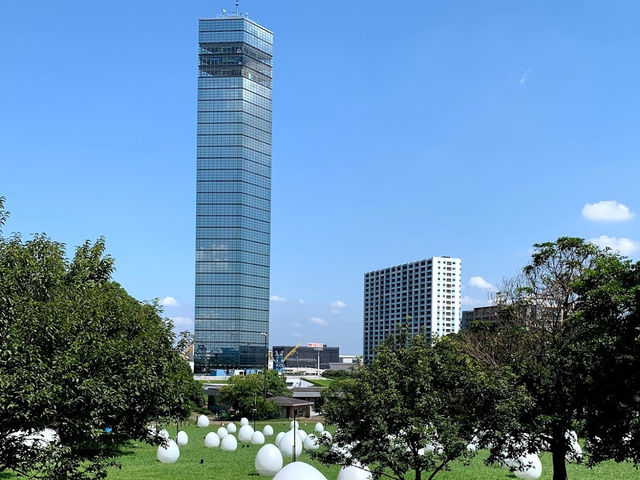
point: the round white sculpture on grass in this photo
(268, 460)
(212, 440)
(326, 434)
(222, 432)
(294, 422)
(164, 433)
(182, 439)
(319, 427)
(278, 438)
(302, 434)
(354, 472)
(311, 442)
(229, 443)
(299, 471)
(286, 444)
(203, 421)
(528, 467)
(257, 438)
(231, 427)
(245, 433)
(170, 453)
(574, 454)
(267, 430)
(244, 421)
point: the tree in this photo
(606, 355)
(80, 356)
(541, 336)
(244, 391)
(417, 407)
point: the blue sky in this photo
(463, 128)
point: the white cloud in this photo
(338, 304)
(169, 302)
(622, 245)
(301, 301)
(607, 211)
(180, 323)
(318, 321)
(525, 77)
(276, 298)
(479, 282)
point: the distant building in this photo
(349, 358)
(307, 357)
(479, 314)
(427, 291)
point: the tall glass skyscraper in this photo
(233, 211)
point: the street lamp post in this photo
(266, 364)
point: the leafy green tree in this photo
(548, 330)
(606, 355)
(244, 391)
(82, 357)
(417, 407)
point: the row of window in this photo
(242, 105)
(222, 245)
(236, 36)
(261, 142)
(234, 82)
(206, 120)
(239, 290)
(231, 176)
(235, 266)
(235, 209)
(207, 304)
(235, 151)
(258, 279)
(235, 48)
(205, 164)
(232, 170)
(234, 186)
(233, 93)
(234, 129)
(227, 24)
(238, 233)
(230, 315)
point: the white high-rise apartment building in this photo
(427, 291)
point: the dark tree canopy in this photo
(558, 340)
(417, 407)
(243, 392)
(80, 356)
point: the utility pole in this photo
(266, 364)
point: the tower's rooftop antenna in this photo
(237, 7)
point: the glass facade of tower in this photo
(233, 211)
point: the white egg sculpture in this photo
(244, 421)
(257, 438)
(203, 421)
(287, 443)
(299, 471)
(170, 453)
(212, 440)
(294, 422)
(268, 460)
(311, 442)
(354, 472)
(229, 443)
(528, 467)
(319, 427)
(326, 434)
(164, 433)
(231, 427)
(222, 432)
(278, 438)
(575, 450)
(267, 430)
(245, 433)
(182, 439)
(301, 434)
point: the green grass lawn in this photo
(139, 463)
(319, 382)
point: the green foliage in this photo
(243, 393)
(569, 330)
(339, 374)
(78, 355)
(416, 394)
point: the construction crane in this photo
(291, 352)
(279, 359)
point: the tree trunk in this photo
(418, 474)
(558, 453)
